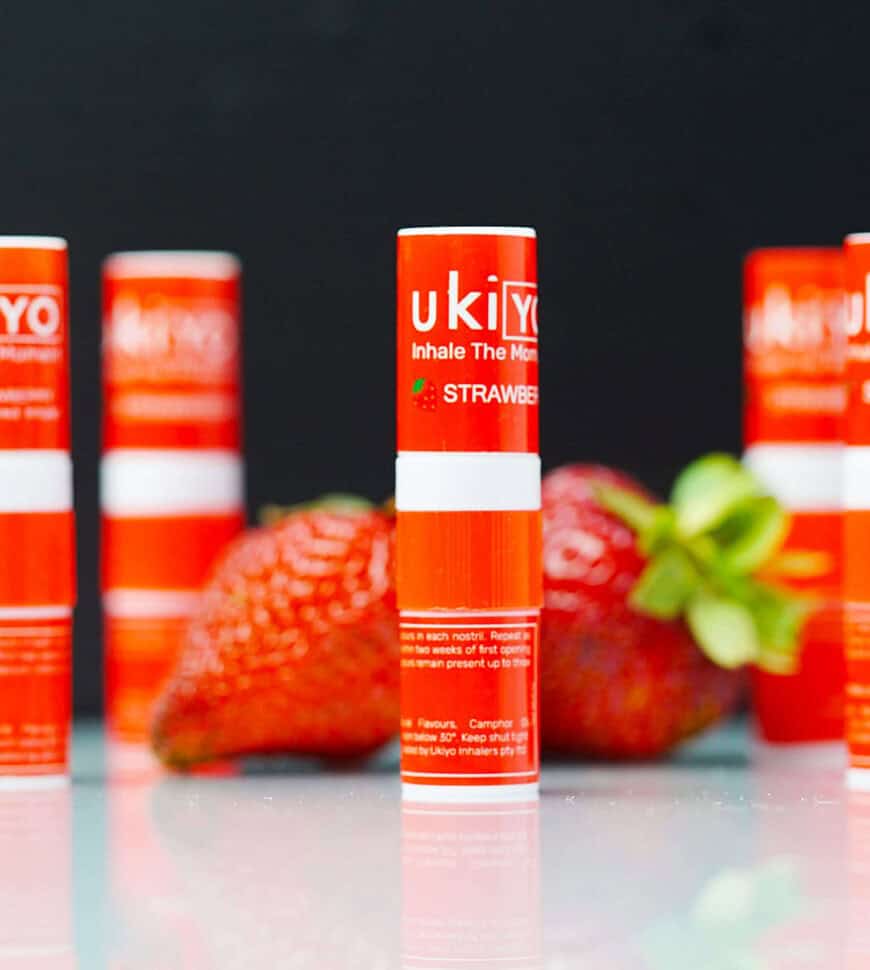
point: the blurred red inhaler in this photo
(171, 477)
(856, 583)
(795, 397)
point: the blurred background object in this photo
(171, 474)
(650, 145)
(36, 906)
(794, 318)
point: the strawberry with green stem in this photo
(650, 609)
(707, 552)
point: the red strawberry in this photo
(613, 682)
(622, 674)
(425, 394)
(295, 645)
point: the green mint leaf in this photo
(708, 490)
(751, 534)
(723, 629)
(418, 386)
(665, 585)
(637, 512)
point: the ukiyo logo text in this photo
(29, 316)
(510, 307)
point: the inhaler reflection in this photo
(858, 909)
(149, 920)
(470, 887)
(36, 928)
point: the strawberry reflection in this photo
(470, 887)
(799, 876)
(774, 901)
(36, 927)
(698, 864)
(858, 910)
(725, 924)
(296, 870)
(150, 923)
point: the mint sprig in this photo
(708, 551)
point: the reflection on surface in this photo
(777, 903)
(470, 887)
(726, 922)
(628, 852)
(36, 929)
(858, 936)
(283, 871)
(697, 864)
(799, 874)
(149, 924)
(703, 864)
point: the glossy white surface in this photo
(724, 859)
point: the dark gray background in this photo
(650, 143)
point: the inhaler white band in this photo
(158, 603)
(35, 481)
(804, 477)
(856, 477)
(435, 481)
(155, 482)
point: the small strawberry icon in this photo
(425, 394)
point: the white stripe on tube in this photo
(36, 481)
(441, 481)
(856, 466)
(804, 477)
(158, 482)
(136, 603)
